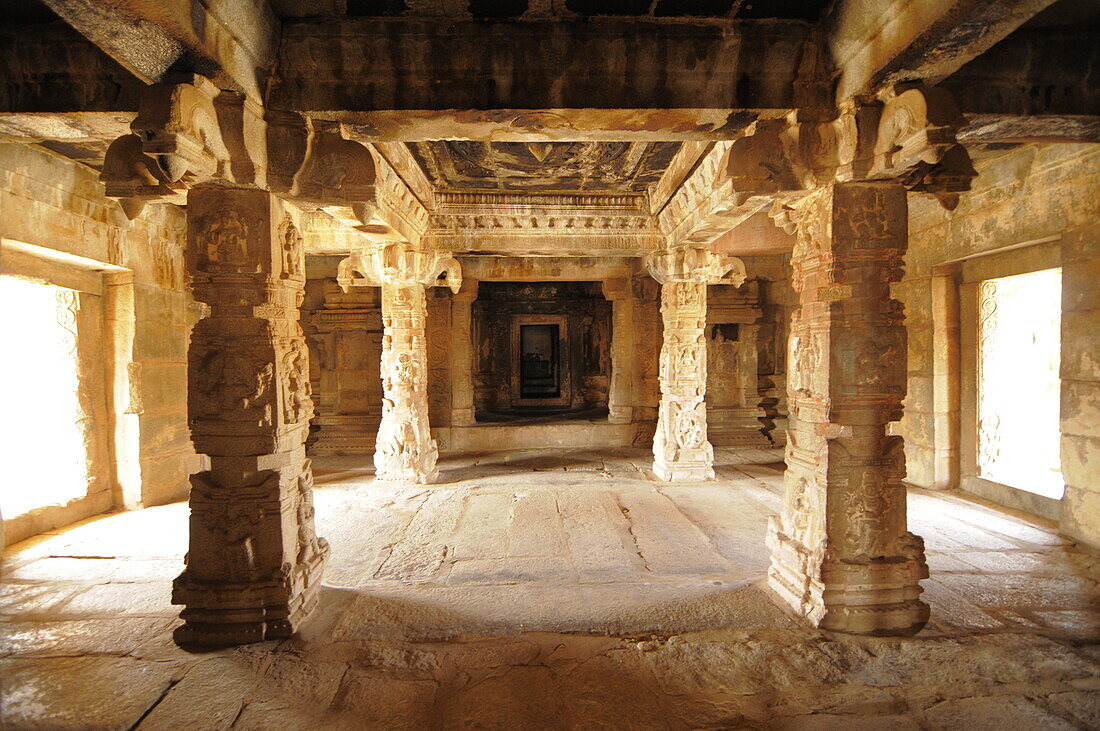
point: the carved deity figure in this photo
(225, 237)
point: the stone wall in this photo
(1045, 196)
(54, 203)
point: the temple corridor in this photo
(500, 595)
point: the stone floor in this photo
(554, 589)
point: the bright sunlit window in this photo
(41, 430)
(1018, 387)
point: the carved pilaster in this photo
(680, 447)
(462, 354)
(405, 449)
(254, 562)
(841, 554)
(620, 398)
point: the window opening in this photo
(43, 422)
(1019, 343)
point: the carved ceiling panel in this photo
(619, 167)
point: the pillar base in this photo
(405, 462)
(224, 614)
(694, 464)
(878, 598)
(463, 417)
(620, 414)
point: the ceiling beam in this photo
(550, 125)
(874, 43)
(354, 67)
(983, 129)
(233, 42)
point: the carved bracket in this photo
(187, 132)
(693, 264)
(399, 263)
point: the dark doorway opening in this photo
(540, 361)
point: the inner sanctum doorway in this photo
(539, 365)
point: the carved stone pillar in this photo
(405, 449)
(620, 399)
(462, 355)
(680, 447)
(254, 562)
(841, 554)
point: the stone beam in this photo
(50, 68)
(551, 125)
(757, 235)
(233, 42)
(983, 129)
(733, 182)
(547, 269)
(1036, 71)
(876, 43)
(350, 68)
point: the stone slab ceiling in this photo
(808, 10)
(619, 167)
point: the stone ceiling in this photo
(808, 10)
(611, 167)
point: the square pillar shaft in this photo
(841, 552)
(620, 397)
(254, 561)
(405, 449)
(680, 447)
(462, 354)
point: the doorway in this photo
(539, 361)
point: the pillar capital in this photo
(695, 264)
(399, 264)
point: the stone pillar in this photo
(620, 399)
(254, 562)
(462, 354)
(680, 447)
(841, 554)
(405, 449)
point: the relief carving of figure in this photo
(291, 242)
(233, 386)
(866, 505)
(690, 429)
(235, 525)
(874, 365)
(688, 294)
(806, 357)
(225, 239)
(296, 391)
(687, 361)
(308, 543)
